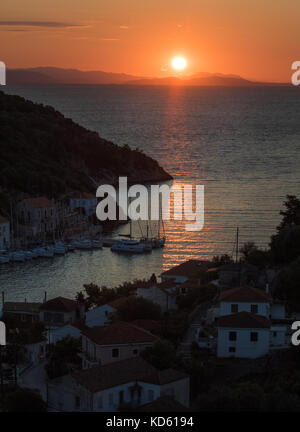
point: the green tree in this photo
(139, 308)
(161, 355)
(291, 214)
(62, 356)
(23, 400)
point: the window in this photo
(77, 402)
(150, 395)
(232, 336)
(275, 333)
(254, 336)
(100, 402)
(115, 352)
(111, 399)
(231, 349)
(254, 308)
(135, 352)
(234, 308)
(121, 396)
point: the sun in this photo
(179, 63)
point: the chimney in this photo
(267, 288)
(45, 297)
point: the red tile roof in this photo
(21, 307)
(244, 320)
(135, 369)
(188, 268)
(245, 294)
(39, 202)
(119, 333)
(60, 304)
(162, 404)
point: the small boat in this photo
(4, 257)
(28, 255)
(59, 249)
(17, 256)
(147, 243)
(70, 247)
(128, 246)
(45, 252)
(85, 244)
(97, 244)
(34, 253)
(158, 242)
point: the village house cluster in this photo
(37, 220)
(241, 320)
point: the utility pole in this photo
(237, 245)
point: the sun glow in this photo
(179, 63)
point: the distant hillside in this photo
(53, 75)
(44, 153)
(201, 79)
(47, 75)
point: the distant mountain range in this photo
(53, 75)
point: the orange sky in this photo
(258, 39)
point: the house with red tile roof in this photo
(243, 335)
(245, 298)
(60, 311)
(24, 313)
(247, 323)
(114, 342)
(37, 216)
(104, 388)
(182, 272)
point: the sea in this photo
(241, 144)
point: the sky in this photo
(256, 39)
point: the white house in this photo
(4, 233)
(164, 294)
(250, 323)
(93, 318)
(85, 201)
(114, 342)
(245, 299)
(105, 388)
(243, 335)
(99, 316)
(38, 215)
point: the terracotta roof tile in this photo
(21, 307)
(39, 202)
(119, 333)
(245, 294)
(244, 320)
(188, 268)
(163, 404)
(60, 304)
(131, 370)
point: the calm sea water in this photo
(242, 144)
